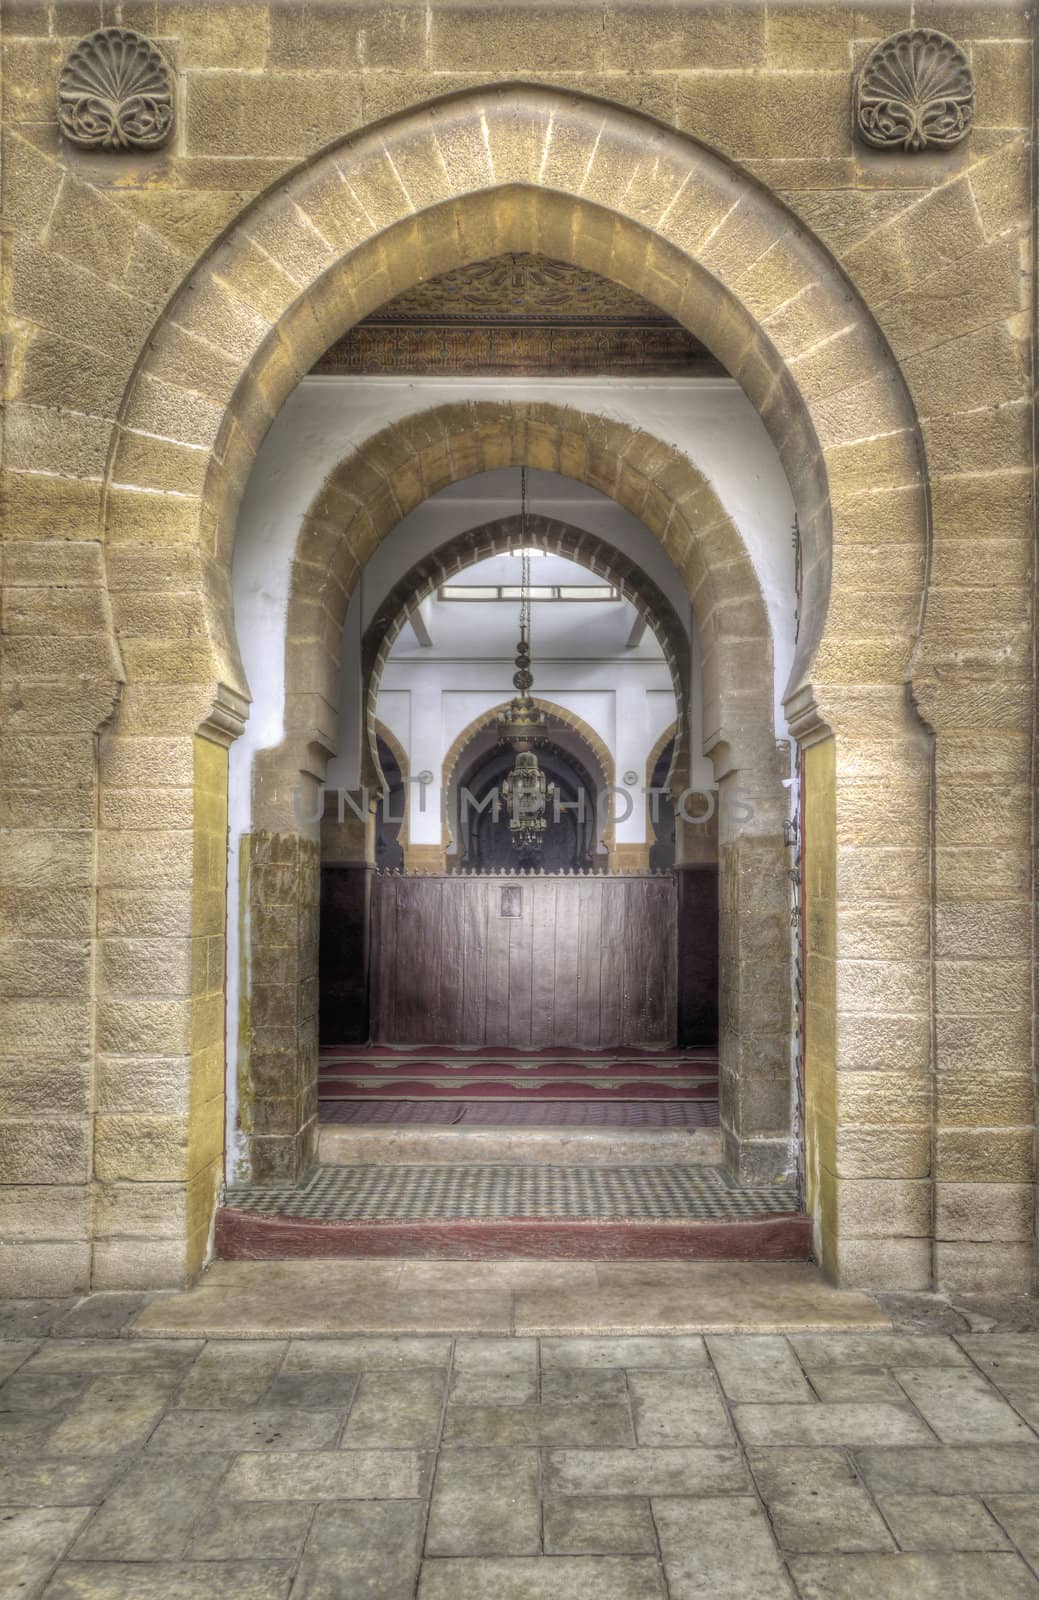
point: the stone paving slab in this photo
(817, 1502)
(544, 1578)
(32, 1540)
(493, 1467)
(196, 1580)
(679, 1408)
(151, 1515)
(914, 1577)
(936, 1522)
(361, 1548)
(719, 1550)
(485, 1502)
(587, 1526)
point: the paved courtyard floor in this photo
(867, 1464)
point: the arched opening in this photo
(732, 687)
(688, 238)
(480, 832)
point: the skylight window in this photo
(538, 591)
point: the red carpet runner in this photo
(384, 1072)
(503, 1087)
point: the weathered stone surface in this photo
(116, 1414)
(231, 1375)
(913, 1577)
(680, 1351)
(237, 1531)
(196, 1580)
(193, 1431)
(485, 1503)
(57, 1482)
(952, 1469)
(99, 1316)
(153, 1512)
(962, 1409)
(1019, 1515)
(845, 1424)
(395, 1410)
(875, 1350)
(371, 1547)
(547, 1424)
(816, 1503)
(942, 1522)
(916, 1516)
(719, 1547)
(584, 1386)
(758, 1369)
(564, 1578)
(646, 1471)
(676, 1408)
(588, 1526)
(348, 1475)
(31, 1540)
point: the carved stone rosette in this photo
(115, 92)
(915, 91)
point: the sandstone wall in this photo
(145, 354)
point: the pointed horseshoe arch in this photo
(470, 176)
(430, 450)
(458, 180)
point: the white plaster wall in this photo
(711, 420)
(581, 662)
(628, 704)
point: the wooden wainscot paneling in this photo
(527, 961)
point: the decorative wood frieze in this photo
(522, 314)
(115, 92)
(915, 92)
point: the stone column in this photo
(755, 1003)
(984, 1104)
(61, 680)
(869, 1080)
(159, 1123)
(279, 933)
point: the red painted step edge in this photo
(248, 1236)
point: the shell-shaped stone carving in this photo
(115, 92)
(915, 90)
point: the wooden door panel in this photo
(527, 962)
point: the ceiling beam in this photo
(419, 629)
(638, 629)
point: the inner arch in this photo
(543, 533)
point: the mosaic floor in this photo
(425, 1193)
(498, 1114)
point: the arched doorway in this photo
(556, 158)
(737, 695)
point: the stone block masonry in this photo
(878, 308)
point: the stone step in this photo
(430, 1146)
(254, 1236)
(493, 1211)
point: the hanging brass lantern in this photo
(521, 726)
